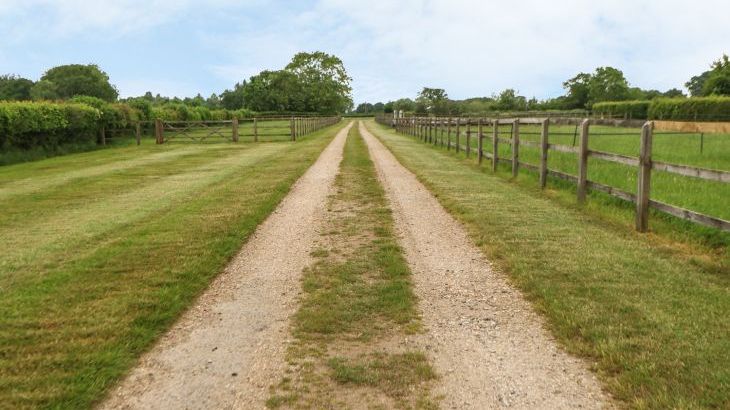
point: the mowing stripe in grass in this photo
(357, 305)
(12, 183)
(67, 338)
(63, 234)
(654, 322)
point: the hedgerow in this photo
(694, 109)
(25, 125)
(622, 109)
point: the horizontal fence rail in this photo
(233, 130)
(459, 133)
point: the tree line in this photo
(314, 82)
(582, 91)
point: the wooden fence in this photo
(457, 134)
(233, 130)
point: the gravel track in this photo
(229, 347)
(483, 337)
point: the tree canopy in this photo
(13, 87)
(67, 81)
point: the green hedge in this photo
(622, 109)
(691, 109)
(25, 125)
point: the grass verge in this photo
(357, 307)
(110, 247)
(642, 308)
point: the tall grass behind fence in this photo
(573, 146)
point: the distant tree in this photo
(674, 93)
(233, 99)
(77, 79)
(45, 90)
(718, 82)
(197, 101)
(364, 108)
(13, 87)
(607, 84)
(148, 96)
(509, 100)
(324, 82)
(273, 91)
(696, 84)
(433, 101)
(213, 102)
(378, 107)
(404, 104)
(577, 89)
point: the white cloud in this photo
(393, 48)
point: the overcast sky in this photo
(391, 48)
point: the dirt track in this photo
(484, 339)
(229, 347)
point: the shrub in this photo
(622, 109)
(693, 109)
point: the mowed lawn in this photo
(101, 251)
(650, 313)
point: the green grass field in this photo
(103, 250)
(708, 197)
(651, 312)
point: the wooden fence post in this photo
(292, 130)
(138, 133)
(159, 137)
(255, 130)
(583, 161)
(644, 178)
(448, 135)
(234, 126)
(495, 144)
(468, 137)
(515, 148)
(429, 130)
(443, 130)
(458, 121)
(544, 152)
(102, 135)
(480, 136)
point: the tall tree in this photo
(433, 101)
(577, 89)
(13, 87)
(324, 81)
(718, 82)
(607, 84)
(77, 79)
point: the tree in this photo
(44, 90)
(13, 87)
(77, 79)
(325, 85)
(233, 99)
(274, 91)
(578, 89)
(697, 83)
(433, 101)
(364, 108)
(213, 102)
(607, 84)
(509, 100)
(674, 93)
(718, 82)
